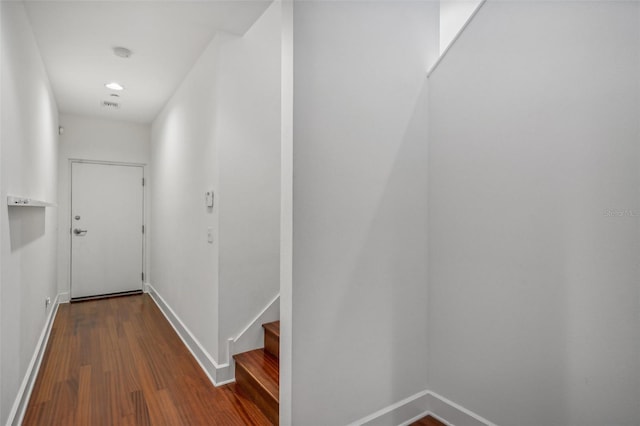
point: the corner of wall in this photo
(422, 404)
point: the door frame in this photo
(143, 166)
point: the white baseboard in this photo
(63, 297)
(24, 392)
(454, 414)
(420, 416)
(248, 339)
(217, 373)
(422, 404)
(401, 413)
(413, 407)
(252, 335)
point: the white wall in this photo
(248, 135)
(359, 203)
(184, 266)
(453, 15)
(220, 131)
(534, 298)
(28, 134)
(96, 139)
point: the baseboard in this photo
(401, 413)
(217, 373)
(420, 416)
(422, 404)
(64, 297)
(24, 392)
(252, 336)
(454, 414)
(413, 407)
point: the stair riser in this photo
(272, 344)
(260, 397)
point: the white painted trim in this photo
(257, 318)
(213, 370)
(16, 415)
(453, 413)
(264, 316)
(391, 409)
(423, 415)
(424, 403)
(440, 419)
(286, 211)
(453, 41)
(63, 297)
(107, 163)
(416, 418)
(225, 374)
(246, 340)
(219, 373)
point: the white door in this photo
(106, 229)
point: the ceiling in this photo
(76, 39)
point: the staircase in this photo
(257, 372)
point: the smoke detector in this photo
(121, 52)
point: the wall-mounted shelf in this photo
(14, 201)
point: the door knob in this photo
(79, 231)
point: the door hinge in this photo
(142, 181)
(143, 229)
(143, 276)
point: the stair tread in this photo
(264, 368)
(273, 327)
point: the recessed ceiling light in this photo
(114, 86)
(122, 52)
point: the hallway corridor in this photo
(118, 361)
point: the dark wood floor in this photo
(428, 421)
(118, 362)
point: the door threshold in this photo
(105, 296)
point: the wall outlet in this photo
(210, 235)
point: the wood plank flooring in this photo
(272, 338)
(428, 421)
(257, 373)
(119, 362)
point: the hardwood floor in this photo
(428, 421)
(272, 338)
(257, 374)
(119, 362)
